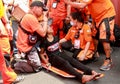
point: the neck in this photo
(50, 37)
(80, 25)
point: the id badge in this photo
(54, 5)
(77, 44)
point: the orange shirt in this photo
(85, 36)
(4, 39)
(60, 12)
(31, 24)
(101, 9)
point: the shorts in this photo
(105, 29)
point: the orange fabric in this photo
(8, 75)
(89, 54)
(86, 10)
(4, 39)
(31, 24)
(103, 34)
(101, 9)
(3, 31)
(85, 36)
(57, 26)
(57, 13)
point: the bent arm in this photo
(62, 40)
(44, 56)
(68, 9)
(82, 4)
(86, 48)
(42, 30)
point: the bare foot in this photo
(87, 78)
(94, 73)
(97, 75)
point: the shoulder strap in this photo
(23, 29)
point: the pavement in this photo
(111, 77)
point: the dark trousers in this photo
(15, 28)
(67, 64)
(69, 47)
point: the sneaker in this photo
(106, 66)
(18, 79)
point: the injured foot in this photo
(87, 78)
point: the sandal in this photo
(18, 79)
(98, 76)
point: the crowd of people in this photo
(47, 29)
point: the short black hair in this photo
(77, 16)
(38, 4)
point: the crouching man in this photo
(28, 27)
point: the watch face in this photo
(54, 5)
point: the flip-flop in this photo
(98, 76)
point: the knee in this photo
(66, 63)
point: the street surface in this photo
(111, 77)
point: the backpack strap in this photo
(23, 29)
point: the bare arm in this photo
(43, 56)
(43, 29)
(82, 57)
(68, 9)
(62, 40)
(86, 48)
(7, 25)
(78, 5)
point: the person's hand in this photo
(48, 65)
(67, 20)
(45, 16)
(112, 38)
(9, 30)
(82, 57)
